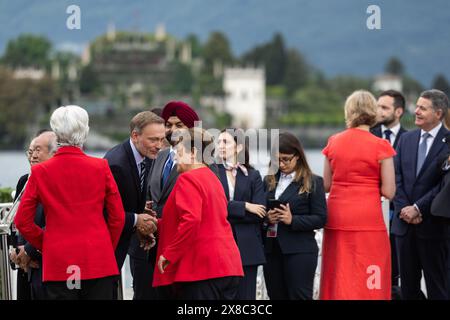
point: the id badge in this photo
(272, 230)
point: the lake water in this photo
(13, 164)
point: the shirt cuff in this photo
(417, 208)
(135, 220)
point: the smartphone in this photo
(274, 204)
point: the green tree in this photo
(411, 86)
(345, 85)
(196, 46)
(89, 82)
(297, 71)
(27, 50)
(272, 56)
(276, 61)
(22, 103)
(441, 83)
(217, 49)
(394, 66)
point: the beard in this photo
(387, 121)
(169, 138)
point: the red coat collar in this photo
(68, 149)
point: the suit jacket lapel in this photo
(377, 131)
(224, 180)
(241, 185)
(156, 175)
(437, 145)
(290, 191)
(287, 193)
(172, 176)
(397, 138)
(132, 163)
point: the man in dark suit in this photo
(420, 237)
(177, 115)
(391, 106)
(130, 163)
(42, 148)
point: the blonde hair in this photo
(360, 109)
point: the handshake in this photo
(146, 226)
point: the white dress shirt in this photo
(395, 129)
(283, 183)
(230, 188)
(138, 158)
(433, 132)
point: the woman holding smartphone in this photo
(289, 239)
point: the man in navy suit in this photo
(420, 237)
(130, 164)
(391, 107)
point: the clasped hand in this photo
(411, 215)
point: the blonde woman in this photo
(358, 170)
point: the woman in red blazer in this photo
(197, 254)
(78, 242)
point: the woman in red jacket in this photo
(78, 242)
(197, 254)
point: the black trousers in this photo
(247, 285)
(225, 288)
(38, 289)
(290, 276)
(417, 254)
(142, 272)
(23, 286)
(93, 289)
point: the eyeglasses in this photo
(286, 160)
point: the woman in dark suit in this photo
(291, 248)
(246, 199)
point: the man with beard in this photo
(177, 115)
(391, 106)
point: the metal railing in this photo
(6, 273)
(6, 289)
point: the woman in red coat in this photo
(78, 242)
(197, 254)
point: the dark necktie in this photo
(387, 135)
(143, 173)
(422, 151)
(167, 169)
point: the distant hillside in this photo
(332, 34)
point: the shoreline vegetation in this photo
(128, 72)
